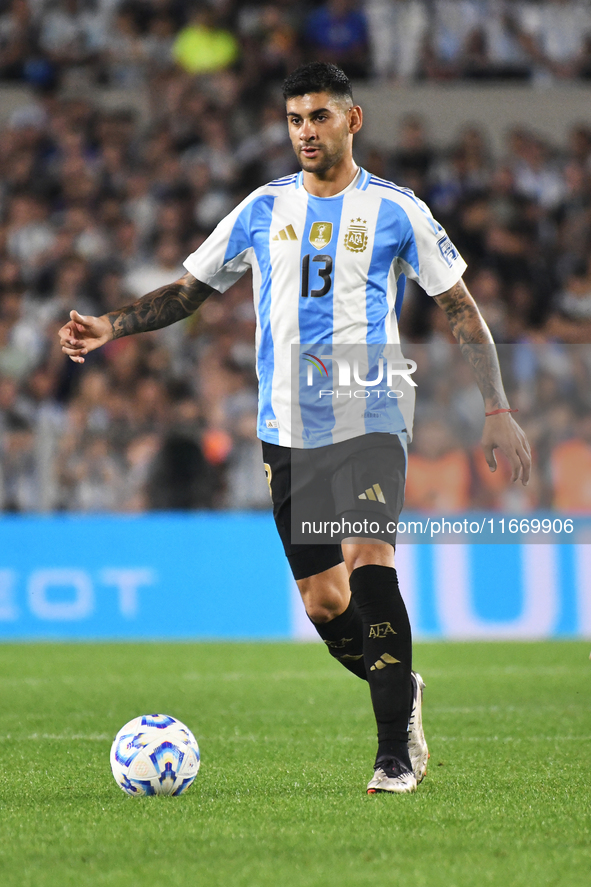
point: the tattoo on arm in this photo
(162, 307)
(476, 343)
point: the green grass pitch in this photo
(287, 745)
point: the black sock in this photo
(343, 636)
(387, 650)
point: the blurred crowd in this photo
(549, 384)
(119, 42)
(99, 206)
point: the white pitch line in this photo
(534, 671)
(433, 738)
(72, 737)
(493, 670)
(528, 739)
(273, 676)
(495, 709)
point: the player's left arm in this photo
(478, 347)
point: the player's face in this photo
(321, 129)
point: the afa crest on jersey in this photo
(321, 234)
(356, 236)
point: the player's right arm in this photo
(157, 309)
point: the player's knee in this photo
(362, 554)
(324, 604)
(326, 595)
(322, 612)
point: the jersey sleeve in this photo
(226, 254)
(427, 255)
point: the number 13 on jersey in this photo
(323, 265)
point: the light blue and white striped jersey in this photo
(327, 271)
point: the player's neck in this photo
(333, 181)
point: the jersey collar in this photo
(358, 182)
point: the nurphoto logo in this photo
(395, 368)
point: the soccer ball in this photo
(154, 755)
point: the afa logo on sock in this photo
(380, 630)
(338, 645)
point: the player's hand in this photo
(503, 432)
(83, 334)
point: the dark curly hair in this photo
(317, 77)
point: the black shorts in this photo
(323, 495)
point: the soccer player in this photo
(329, 249)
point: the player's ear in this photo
(355, 119)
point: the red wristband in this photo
(496, 412)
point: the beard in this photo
(324, 161)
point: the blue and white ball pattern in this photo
(154, 755)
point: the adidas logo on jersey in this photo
(286, 234)
(374, 493)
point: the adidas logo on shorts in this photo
(374, 493)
